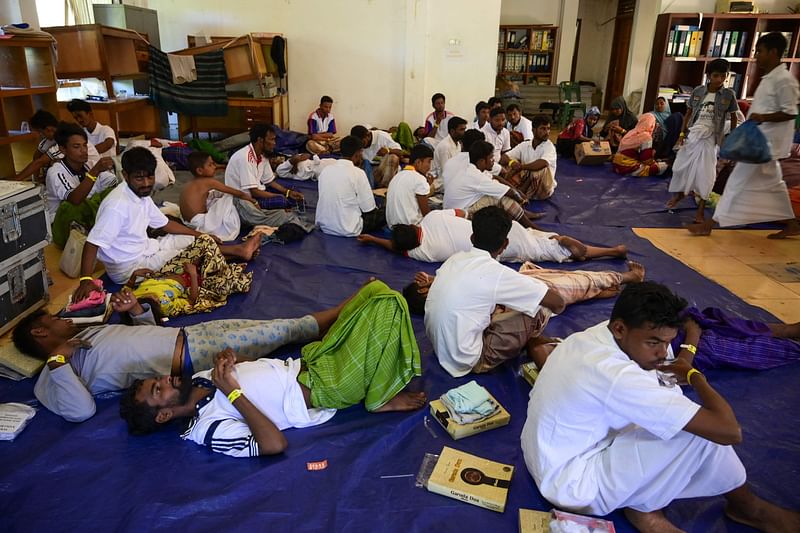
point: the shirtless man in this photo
(207, 211)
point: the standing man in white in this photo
(603, 433)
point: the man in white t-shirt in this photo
(449, 146)
(469, 286)
(73, 189)
(532, 164)
(436, 122)
(407, 196)
(101, 136)
(119, 237)
(606, 431)
(379, 144)
(482, 110)
(445, 232)
(496, 133)
(474, 188)
(520, 127)
(346, 205)
(249, 171)
(241, 409)
(757, 192)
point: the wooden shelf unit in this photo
(27, 84)
(527, 53)
(670, 70)
(108, 54)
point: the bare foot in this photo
(765, 516)
(701, 229)
(675, 200)
(635, 273)
(784, 233)
(576, 248)
(404, 401)
(652, 522)
(620, 251)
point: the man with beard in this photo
(532, 164)
(110, 357)
(119, 237)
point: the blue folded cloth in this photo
(469, 403)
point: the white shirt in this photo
(467, 288)
(271, 385)
(61, 181)
(501, 141)
(442, 233)
(100, 133)
(524, 126)
(380, 139)
(588, 391)
(401, 197)
(120, 228)
(525, 153)
(476, 125)
(777, 91)
(469, 186)
(446, 149)
(344, 194)
(247, 170)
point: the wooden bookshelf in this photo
(27, 83)
(527, 54)
(669, 68)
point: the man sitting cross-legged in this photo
(446, 232)
(408, 192)
(532, 164)
(82, 363)
(207, 203)
(474, 188)
(501, 340)
(369, 354)
(603, 433)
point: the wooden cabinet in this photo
(108, 54)
(730, 36)
(527, 54)
(27, 83)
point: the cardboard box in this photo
(590, 153)
(531, 521)
(459, 431)
(529, 372)
(471, 479)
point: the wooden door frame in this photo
(620, 46)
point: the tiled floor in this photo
(727, 258)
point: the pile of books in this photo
(539, 63)
(684, 41)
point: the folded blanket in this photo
(469, 403)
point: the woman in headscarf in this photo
(620, 121)
(668, 128)
(636, 156)
(578, 131)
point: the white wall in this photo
(379, 60)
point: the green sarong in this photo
(83, 213)
(404, 136)
(370, 353)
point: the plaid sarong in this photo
(370, 353)
(203, 97)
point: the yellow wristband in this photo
(691, 348)
(86, 278)
(57, 358)
(287, 192)
(93, 178)
(234, 395)
(512, 161)
(690, 373)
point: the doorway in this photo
(620, 46)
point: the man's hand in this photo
(365, 238)
(84, 290)
(296, 195)
(103, 164)
(222, 374)
(124, 301)
(756, 117)
(423, 279)
(678, 367)
(382, 152)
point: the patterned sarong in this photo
(369, 354)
